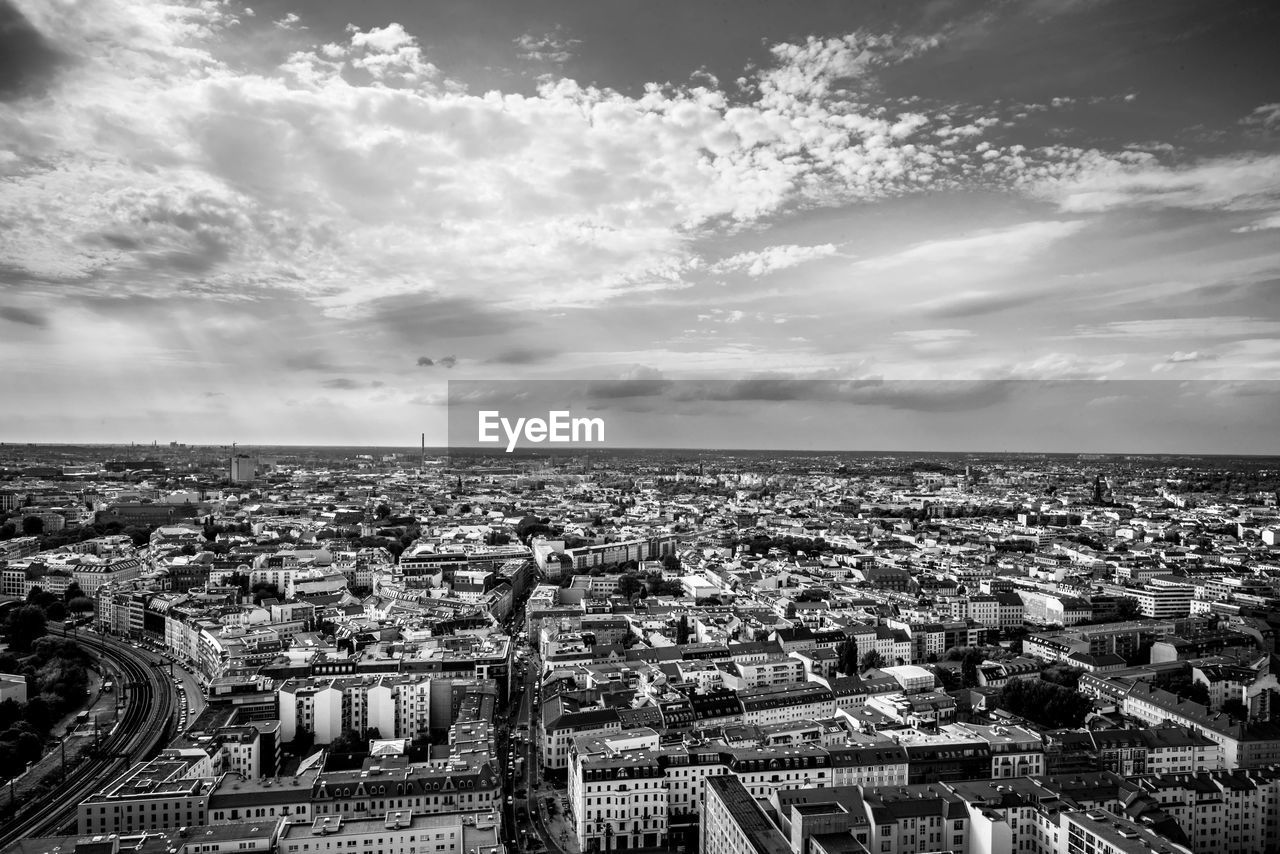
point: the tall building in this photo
(243, 468)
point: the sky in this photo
(297, 222)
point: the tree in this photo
(628, 586)
(1062, 674)
(304, 741)
(1044, 703)
(263, 590)
(382, 511)
(73, 590)
(139, 534)
(1127, 609)
(32, 526)
(848, 662)
(872, 660)
(80, 605)
(969, 663)
(1236, 708)
(26, 624)
(682, 630)
(8, 531)
(349, 742)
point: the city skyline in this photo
(295, 223)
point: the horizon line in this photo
(524, 451)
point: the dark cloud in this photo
(522, 356)
(214, 394)
(313, 360)
(120, 241)
(341, 383)
(624, 389)
(24, 316)
(676, 395)
(440, 362)
(412, 318)
(971, 305)
(28, 62)
(919, 396)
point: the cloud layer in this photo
(339, 217)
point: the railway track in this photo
(144, 727)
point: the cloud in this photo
(1090, 182)
(921, 396)
(993, 246)
(341, 383)
(551, 47)
(1265, 224)
(1184, 328)
(1193, 356)
(1178, 357)
(973, 303)
(410, 317)
(313, 360)
(390, 56)
(1266, 116)
(773, 259)
(1065, 366)
(437, 362)
(23, 316)
(28, 62)
(522, 356)
(936, 341)
(164, 156)
(214, 394)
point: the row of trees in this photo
(850, 664)
(57, 677)
(632, 584)
(762, 544)
(33, 526)
(1045, 703)
(30, 622)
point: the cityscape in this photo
(385, 649)
(645, 426)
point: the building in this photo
(157, 795)
(786, 703)
(734, 823)
(397, 705)
(620, 801)
(396, 831)
(1099, 831)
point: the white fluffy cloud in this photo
(359, 170)
(1093, 181)
(773, 258)
(553, 47)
